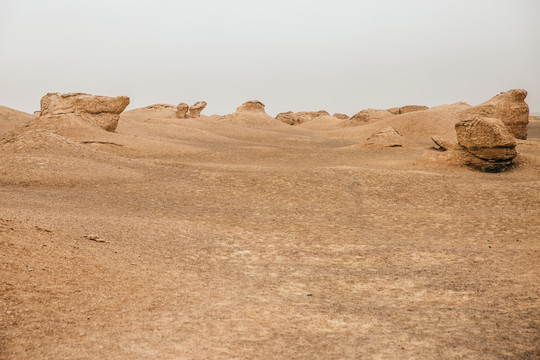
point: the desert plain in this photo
(247, 237)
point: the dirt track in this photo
(264, 243)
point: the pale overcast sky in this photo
(340, 55)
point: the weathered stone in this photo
(297, 118)
(388, 137)
(195, 109)
(489, 142)
(406, 109)
(251, 106)
(181, 110)
(370, 115)
(102, 111)
(341, 116)
(510, 107)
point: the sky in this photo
(340, 56)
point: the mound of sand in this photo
(11, 119)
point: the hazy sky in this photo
(340, 55)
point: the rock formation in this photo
(181, 110)
(340, 116)
(195, 109)
(297, 118)
(406, 109)
(487, 143)
(251, 106)
(388, 137)
(102, 111)
(510, 107)
(370, 115)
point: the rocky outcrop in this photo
(407, 109)
(296, 118)
(341, 116)
(370, 115)
(487, 144)
(102, 111)
(195, 109)
(251, 106)
(388, 137)
(510, 107)
(181, 110)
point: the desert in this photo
(164, 232)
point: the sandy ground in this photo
(251, 239)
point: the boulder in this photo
(341, 116)
(296, 118)
(510, 107)
(102, 111)
(251, 106)
(181, 110)
(488, 143)
(370, 115)
(388, 137)
(195, 109)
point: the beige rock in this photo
(181, 110)
(195, 109)
(296, 118)
(388, 137)
(251, 106)
(370, 115)
(442, 144)
(102, 111)
(341, 116)
(489, 143)
(406, 109)
(510, 107)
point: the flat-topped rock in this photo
(182, 110)
(195, 109)
(102, 111)
(296, 118)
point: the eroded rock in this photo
(251, 106)
(341, 116)
(296, 118)
(510, 107)
(181, 110)
(388, 137)
(488, 142)
(195, 109)
(102, 111)
(370, 115)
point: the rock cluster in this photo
(184, 111)
(509, 107)
(296, 118)
(487, 143)
(102, 111)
